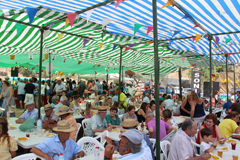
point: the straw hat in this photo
(63, 110)
(102, 109)
(48, 106)
(63, 126)
(128, 124)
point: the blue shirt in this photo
(115, 98)
(225, 105)
(32, 114)
(36, 85)
(0, 86)
(95, 122)
(53, 145)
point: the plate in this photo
(12, 127)
(232, 141)
(214, 157)
(46, 131)
(114, 129)
(50, 135)
(22, 139)
(142, 130)
(184, 117)
(223, 149)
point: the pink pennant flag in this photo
(196, 26)
(50, 25)
(118, 2)
(71, 18)
(126, 49)
(194, 38)
(183, 58)
(150, 28)
(230, 53)
(193, 64)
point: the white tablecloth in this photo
(179, 119)
(32, 142)
(101, 157)
(113, 135)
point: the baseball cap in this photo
(134, 136)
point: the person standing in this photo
(131, 89)
(21, 92)
(59, 87)
(238, 97)
(35, 93)
(69, 85)
(197, 111)
(1, 91)
(81, 87)
(94, 87)
(7, 93)
(99, 86)
(29, 89)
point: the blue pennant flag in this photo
(31, 14)
(185, 17)
(175, 33)
(114, 46)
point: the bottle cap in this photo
(61, 154)
(97, 147)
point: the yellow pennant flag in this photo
(66, 23)
(102, 73)
(59, 37)
(152, 56)
(167, 59)
(218, 66)
(109, 69)
(169, 3)
(101, 44)
(215, 49)
(189, 66)
(198, 36)
(149, 43)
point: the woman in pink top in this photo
(88, 112)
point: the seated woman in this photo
(186, 107)
(130, 114)
(88, 111)
(141, 113)
(161, 107)
(211, 123)
(152, 107)
(132, 101)
(75, 104)
(112, 119)
(8, 145)
(167, 117)
(228, 126)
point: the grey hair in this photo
(135, 148)
(188, 123)
(54, 99)
(149, 114)
(63, 98)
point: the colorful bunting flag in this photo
(150, 28)
(149, 43)
(194, 38)
(45, 34)
(89, 13)
(189, 66)
(175, 33)
(126, 49)
(102, 72)
(167, 59)
(131, 45)
(198, 36)
(228, 40)
(101, 44)
(71, 18)
(50, 25)
(60, 35)
(221, 37)
(118, 2)
(114, 46)
(193, 64)
(196, 26)
(169, 3)
(230, 53)
(185, 17)
(217, 40)
(79, 62)
(218, 66)
(137, 27)
(19, 28)
(98, 65)
(106, 21)
(85, 42)
(66, 22)
(31, 13)
(109, 69)
(183, 59)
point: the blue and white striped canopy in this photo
(215, 16)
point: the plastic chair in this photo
(88, 144)
(28, 156)
(153, 141)
(79, 127)
(164, 147)
(170, 136)
(194, 144)
(102, 137)
(120, 117)
(84, 125)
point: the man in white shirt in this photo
(21, 92)
(59, 87)
(181, 147)
(63, 101)
(168, 103)
(146, 98)
(99, 86)
(131, 89)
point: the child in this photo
(167, 117)
(88, 112)
(206, 145)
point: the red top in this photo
(165, 120)
(198, 136)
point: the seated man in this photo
(165, 128)
(181, 147)
(98, 123)
(31, 112)
(168, 103)
(63, 101)
(146, 98)
(61, 143)
(55, 101)
(131, 146)
(50, 118)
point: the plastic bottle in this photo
(39, 127)
(97, 153)
(61, 157)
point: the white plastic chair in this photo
(88, 144)
(102, 137)
(153, 141)
(28, 156)
(170, 135)
(194, 145)
(120, 117)
(164, 147)
(84, 125)
(79, 127)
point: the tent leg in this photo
(120, 70)
(210, 63)
(180, 81)
(107, 77)
(40, 73)
(234, 91)
(122, 74)
(156, 70)
(227, 78)
(50, 73)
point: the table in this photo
(32, 142)
(101, 157)
(180, 119)
(227, 155)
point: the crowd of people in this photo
(121, 106)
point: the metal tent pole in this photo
(180, 81)
(40, 73)
(234, 82)
(120, 70)
(50, 73)
(227, 79)
(156, 70)
(210, 63)
(122, 74)
(107, 77)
